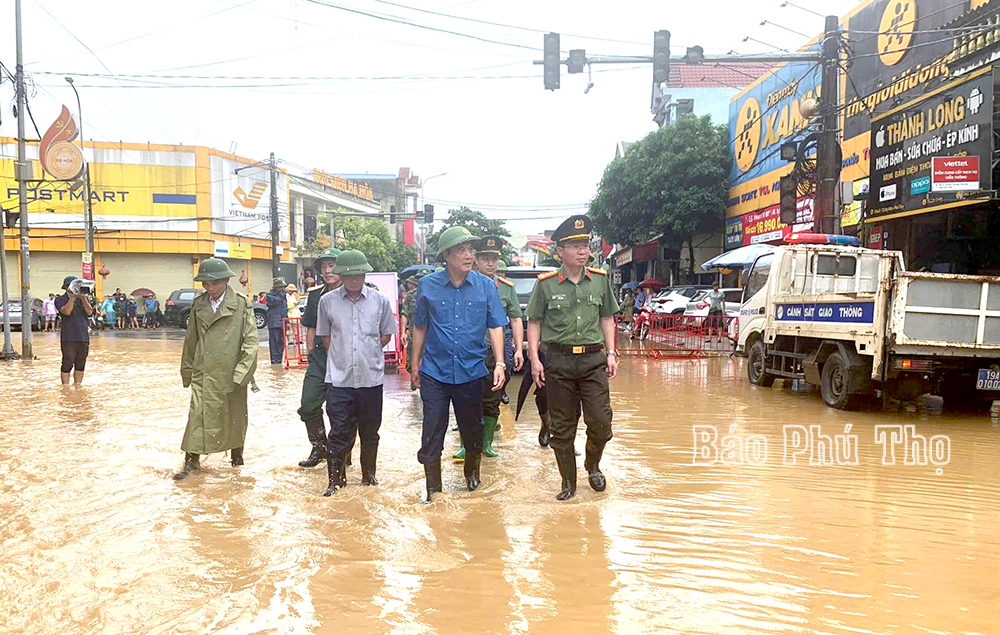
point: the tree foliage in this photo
(673, 182)
(371, 237)
(475, 222)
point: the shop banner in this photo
(951, 129)
(765, 226)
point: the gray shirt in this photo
(354, 358)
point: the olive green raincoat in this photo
(219, 360)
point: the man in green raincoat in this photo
(218, 362)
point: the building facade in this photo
(913, 105)
(158, 211)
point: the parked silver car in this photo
(14, 311)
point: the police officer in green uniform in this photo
(487, 261)
(314, 383)
(571, 313)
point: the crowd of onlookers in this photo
(116, 311)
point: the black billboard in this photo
(953, 122)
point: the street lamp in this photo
(88, 211)
(423, 228)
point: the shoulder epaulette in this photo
(505, 281)
(316, 288)
(596, 270)
(547, 274)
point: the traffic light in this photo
(661, 57)
(428, 213)
(789, 199)
(392, 214)
(11, 218)
(552, 60)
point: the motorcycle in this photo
(640, 323)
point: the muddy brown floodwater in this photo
(96, 538)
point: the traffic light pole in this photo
(21, 168)
(828, 155)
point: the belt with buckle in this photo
(576, 350)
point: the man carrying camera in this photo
(73, 337)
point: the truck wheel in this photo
(835, 384)
(756, 363)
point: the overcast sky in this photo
(509, 147)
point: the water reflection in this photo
(96, 538)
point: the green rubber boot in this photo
(460, 455)
(488, 432)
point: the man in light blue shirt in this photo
(355, 322)
(455, 309)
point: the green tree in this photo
(475, 222)
(371, 237)
(403, 256)
(673, 182)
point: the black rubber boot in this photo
(335, 471)
(472, 460)
(236, 456)
(369, 456)
(592, 463)
(566, 460)
(504, 399)
(543, 434)
(192, 462)
(316, 456)
(432, 474)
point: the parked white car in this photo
(673, 301)
(698, 306)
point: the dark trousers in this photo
(491, 398)
(572, 381)
(436, 397)
(353, 412)
(74, 356)
(313, 396)
(276, 343)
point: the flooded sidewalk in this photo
(96, 538)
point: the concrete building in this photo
(158, 210)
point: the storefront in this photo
(158, 211)
(887, 81)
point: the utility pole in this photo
(8, 349)
(23, 172)
(828, 155)
(275, 242)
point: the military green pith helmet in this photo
(352, 263)
(213, 269)
(501, 266)
(278, 283)
(452, 237)
(330, 253)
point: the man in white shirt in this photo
(355, 322)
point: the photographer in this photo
(73, 337)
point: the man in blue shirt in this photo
(455, 309)
(74, 339)
(277, 311)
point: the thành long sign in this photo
(926, 153)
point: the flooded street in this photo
(96, 538)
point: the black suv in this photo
(178, 306)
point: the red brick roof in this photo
(712, 75)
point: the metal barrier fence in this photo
(295, 343)
(663, 336)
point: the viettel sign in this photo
(57, 154)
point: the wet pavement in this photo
(96, 538)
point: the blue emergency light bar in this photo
(822, 239)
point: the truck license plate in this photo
(988, 379)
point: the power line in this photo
(419, 26)
(73, 35)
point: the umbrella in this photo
(142, 291)
(415, 269)
(526, 383)
(737, 258)
(629, 285)
(652, 283)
